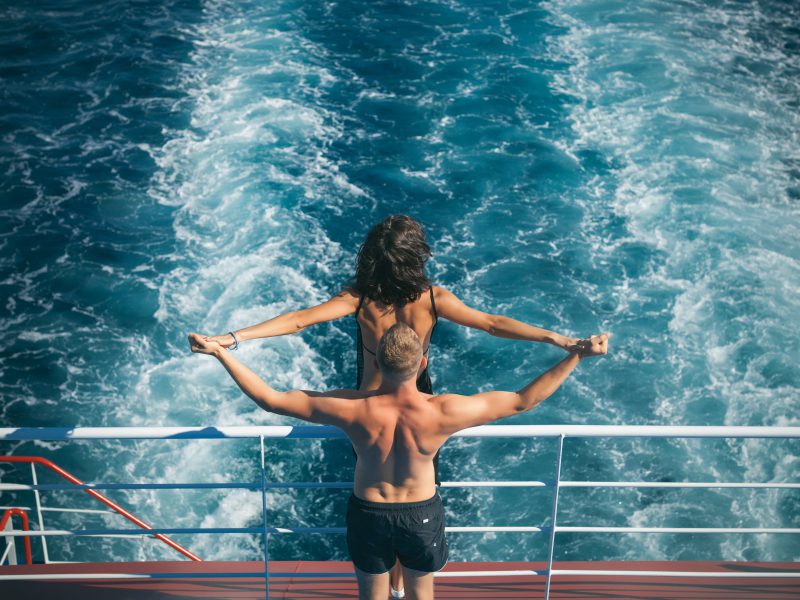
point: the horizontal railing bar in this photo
(678, 484)
(145, 533)
(458, 484)
(348, 485)
(19, 487)
(500, 529)
(94, 511)
(563, 529)
(304, 485)
(455, 529)
(169, 530)
(75, 510)
(254, 574)
(329, 432)
(243, 530)
(440, 574)
(123, 536)
(612, 573)
(79, 576)
(509, 573)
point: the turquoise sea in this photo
(583, 165)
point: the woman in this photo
(390, 285)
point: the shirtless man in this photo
(394, 511)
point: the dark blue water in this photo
(581, 165)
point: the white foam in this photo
(730, 283)
(38, 336)
(242, 257)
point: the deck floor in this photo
(301, 581)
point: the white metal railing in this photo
(561, 432)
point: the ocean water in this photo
(583, 165)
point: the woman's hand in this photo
(204, 345)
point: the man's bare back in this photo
(395, 437)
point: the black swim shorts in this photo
(378, 533)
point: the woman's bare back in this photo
(375, 319)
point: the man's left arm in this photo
(331, 408)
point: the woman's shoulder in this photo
(440, 293)
(349, 295)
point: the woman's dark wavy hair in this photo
(391, 262)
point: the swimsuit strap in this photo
(433, 306)
(359, 347)
(360, 304)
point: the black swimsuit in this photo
(424, 379)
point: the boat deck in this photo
(322, 580)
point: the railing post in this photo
(264, 516)
(552, 542)
(39, 513)
(11, 545)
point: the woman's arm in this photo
(340, 305)
(453, 309)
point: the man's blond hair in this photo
(399, 352)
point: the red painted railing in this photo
(110, 503)
(25, 527)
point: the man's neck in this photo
(392, 387)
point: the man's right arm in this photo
(326, 408)
(460, 412)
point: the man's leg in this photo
(372, 587)
(396, 578)
(418, 584)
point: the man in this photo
(394, 512)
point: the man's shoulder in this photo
(444, 395)
(445, 399)
(344, 394)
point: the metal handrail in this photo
(317, 432)
(439, 574)
(450, 529)
(518, 431)
(98, 496)
(23, 516)
(347, 485)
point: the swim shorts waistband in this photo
(394, 506)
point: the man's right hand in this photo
(596, 345)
